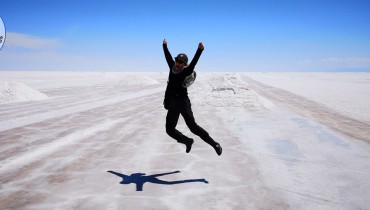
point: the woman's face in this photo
(179, 65)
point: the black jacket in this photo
(174, 85)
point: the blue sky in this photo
(254, 35)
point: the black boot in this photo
(188, 143)
(218, 148)
(213, 143)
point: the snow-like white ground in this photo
(291, 141)
(345, 92)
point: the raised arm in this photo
(196, 56)
(168, 55)
(118, 174)
(156, 175)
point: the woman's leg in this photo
(187, 113)
(171, 122)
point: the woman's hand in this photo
(200, 46)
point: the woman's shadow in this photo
(140, 179)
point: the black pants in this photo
(182, 105)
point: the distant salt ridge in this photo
(227, 90)
(11, 91)
(137, 79)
